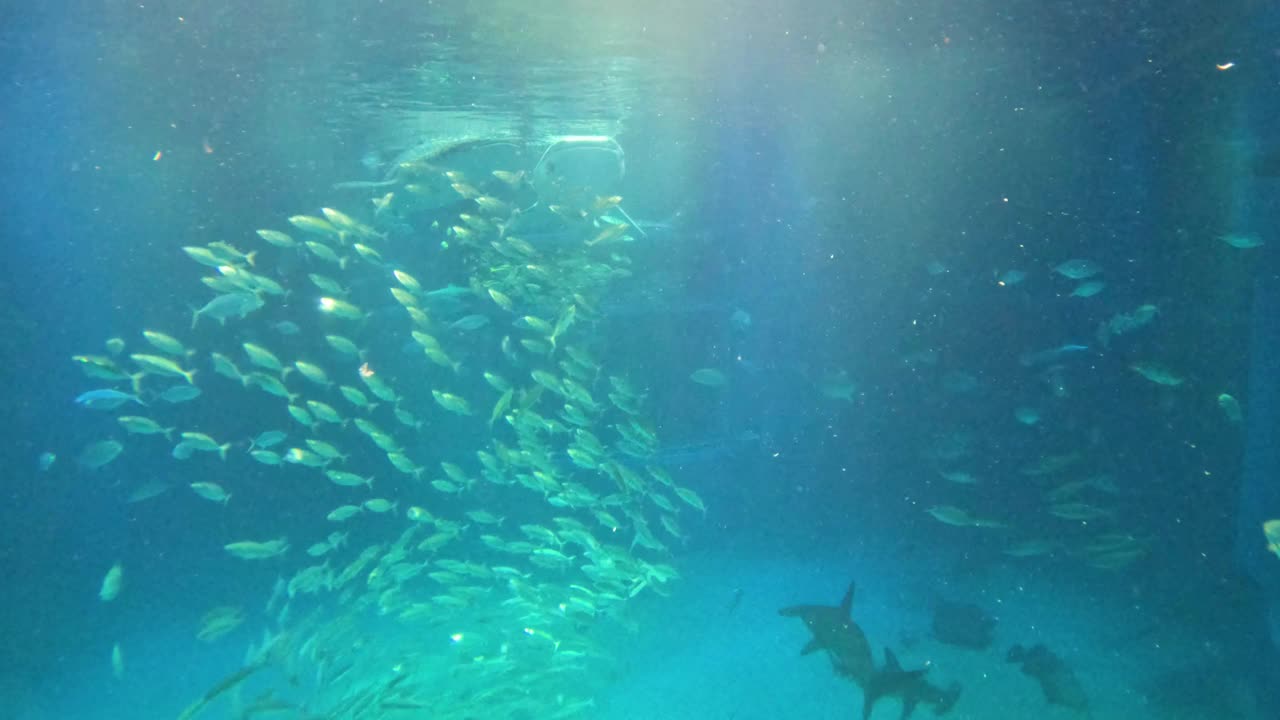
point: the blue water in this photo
(829, 196)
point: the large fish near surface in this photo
(835, 632)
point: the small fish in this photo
(1079, 511)
(266, 457)
(379, 505)
(287, 327)
(1043, 357)
(1088, 289)
(262, 357)
(348, 479)
(408, 281)
(314, 225)
(146, 491)
(204, 256)
(691, 499)
(136, 425)
(837, 386)
(101, 368)
(1231, 408)
(117, 662)
(46, 461)
(268, 438)
(1241, 241)
(340, 308)
(535, 324)
(710, 377)
(211, 491)
(1271, 530)
(99, 454)
(449, 292)
(501, 299)
(470, 322)
(452, 403)
(106, 399)
(312, 372)
(342, 345)
(252, 550)
(326, 253)
(180, 394)
(1027, 415)
(1011, 277)
(1077, 269)
(277, 238)
(306, 458)
(1157, 374)
(226, 306)
(1031, 548)
(344, 512)
(952, 515)
(514, 179)
(165, 343)
(163, 366)
(958, 477)
(112, 583)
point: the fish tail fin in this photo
(250, 258)
(190, 375)
(135, 380)
(195, 316)
(168, 434)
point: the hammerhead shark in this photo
(834, 631)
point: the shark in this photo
(834, 631)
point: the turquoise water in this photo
(968, 308)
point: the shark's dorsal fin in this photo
(846, 604)
(891, 663)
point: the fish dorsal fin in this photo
(891, 663)
(846, 604)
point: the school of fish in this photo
(494, 493)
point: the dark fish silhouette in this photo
(834, 631)
(963, 625)
(734, 600)
(1058, 682)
